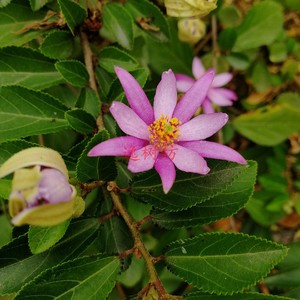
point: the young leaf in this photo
(42, 238)
(81, 121)
(73, 71)
(278, 122)
(58, 44)
(149, 18)
(28, 68)
(238, 296)
(95, 168)
(112, 56)
(188, 189)
(117, 25)
(83, 278)
(25, 112)
(73, 13)
(223, 263)
(13, 19)
(18, 266)
(258, 28)
(222, 205)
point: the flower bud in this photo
(191, 30)
(189, 8)
(41, 194)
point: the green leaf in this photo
(6, 229)
(5, 188)
(83, 278)
(238, 296)
(114, 233)
(278, 122)
(80, 120)
(261, 76)
(117, 25)
(42, 238)
(73, 71)
(25, 112)
(4, 3)
(174, 54)
(189, 189)
(28, 68)
(89, 102)
(73, 13)
(223, 263)
(229, 15)
(258, 27)
(58, 45)
(38, 4)
(112, 56)
(223, 205)
(18, 266)
(15, 17)
(95, 168)
(145, 11)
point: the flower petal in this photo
(207, 106)
(218, 97)
(129, 121)
(183, 82)
(119, 146)
(166, 170)
(202, 126)
(165, 98)
(135, 95)
(188, 161)
(227, 93)
(193, 98)
(214, 150)
(142, 159)
(221, 79)
(197, 67)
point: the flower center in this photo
(164, 132)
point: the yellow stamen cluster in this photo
(164, 132)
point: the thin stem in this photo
(215, 50)
(88, 60)
(140, 247)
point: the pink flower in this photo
(165, 136)
(216, 94)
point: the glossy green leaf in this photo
(28, 68)
(144, 11)
(42, 238)
(18, 266)
(73, 71)
(222, 205)
(238, 296)
(89, 102)
(74, 14)
(117, 25)
(58, 45)
(81, 121)
(112, 56)
(13, 19)
(270, 125)
(38, 4)
(25, 112)
(223, 263)
(258, 27)
(188, 189)
(83, 278)
(95, 168)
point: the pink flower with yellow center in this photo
(165, 136)
(216, 93)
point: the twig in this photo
(88, 60)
